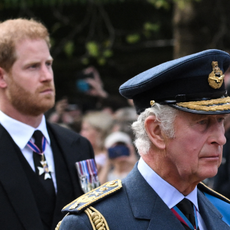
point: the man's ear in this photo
(3, 74)
(154, 132)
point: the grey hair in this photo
(164, 114)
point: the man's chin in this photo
(39, 110)
(46, 107)
(210, 174)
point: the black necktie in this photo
(47, 183)
(186, 207)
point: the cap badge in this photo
(152, 103)
(216, 77)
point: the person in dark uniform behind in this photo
(37, 160)
(179, 134)
(221, 182)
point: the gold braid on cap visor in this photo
(208, 105)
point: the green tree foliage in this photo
(119, 37)
(94, 29)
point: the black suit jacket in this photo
(18, 210)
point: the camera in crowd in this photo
(120, 149)
(117, 145)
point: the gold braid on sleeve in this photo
(97, 220)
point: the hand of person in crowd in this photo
(61, 106)
(95, 83)
(61, 115)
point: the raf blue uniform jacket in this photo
(137, 206)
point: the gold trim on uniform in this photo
(94, 195)
(208, 105)
(97, 220)
(216, 77)
(59, 223)
(210, 189)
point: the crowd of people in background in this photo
(101, 126)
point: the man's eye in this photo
(33, 66)
(49, 63)
(221, 119)
(203, 122)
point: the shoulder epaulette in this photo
(205, 189)
(93, 196)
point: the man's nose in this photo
(46, 73)
(218, 134)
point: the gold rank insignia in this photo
(216, 77)
(93, 196)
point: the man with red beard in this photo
(35, 181)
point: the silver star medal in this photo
(44, 169)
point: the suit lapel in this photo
(212, 218)
(148, 205)
(169, 220)
(68, 147)
(17, 189)
(72, 152)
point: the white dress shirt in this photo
(21, 133)
(170, 195)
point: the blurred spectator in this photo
(112, 103)
(89, 83)
(123, 118)
(95, 127)
(227, 79)
(67, 115)
(121, 157)
(95, 88)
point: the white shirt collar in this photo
(170, 195)
(21, 132)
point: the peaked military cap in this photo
(194, 83)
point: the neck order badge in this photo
(44, 169)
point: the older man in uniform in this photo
(179, 136)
